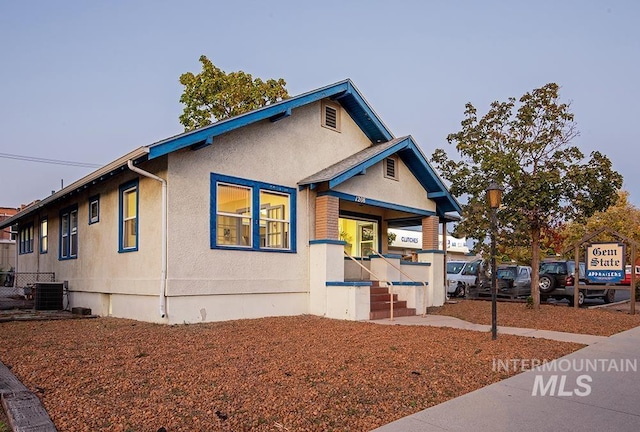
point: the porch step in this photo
(380, 304)
(378, 290)
(382, 297)
(382, 314)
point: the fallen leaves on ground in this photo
(560, 317)
(299, 373)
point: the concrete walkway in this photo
(447, 321)
(596, 388)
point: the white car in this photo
(455, 286)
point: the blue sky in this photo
(89, 81)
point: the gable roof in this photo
(343, 92)
(410, 154)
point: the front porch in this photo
(345, 287)
(353, 203)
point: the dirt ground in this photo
(273, 374)
(557, 317)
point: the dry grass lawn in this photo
(274, 374)
(560, 317)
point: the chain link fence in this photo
(17, 288)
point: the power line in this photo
(48, 161)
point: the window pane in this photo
(274, 217)
(130, 204)
(93, 211)
(44, 236)
(274, 235)
(64, 231)
(129, 235)
(74, 245)
(234, 231)
(233, 218)
(74, 221)
(130, 218)
(234, 199)
(274, 206)
(65, 224)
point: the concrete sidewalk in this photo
(594, 389)
(447, 321)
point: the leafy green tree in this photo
(213, 95)
(551, 244)
(526, 147)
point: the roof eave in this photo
(92, 178)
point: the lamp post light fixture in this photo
(494, 197)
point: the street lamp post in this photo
(494, 196)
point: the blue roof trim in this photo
(280, 116)
(344, 92)
(416, 161)
(203, 144)
(434, 195)
(376, 203)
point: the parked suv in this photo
(512, 281)
(557, 280)
(455, 286)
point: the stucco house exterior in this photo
(249, 217)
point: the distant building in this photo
(7, 243)
(406, 241)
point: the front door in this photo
(361, 236)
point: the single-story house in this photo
(283, 210)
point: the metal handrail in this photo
(424, 284)
(389, 283)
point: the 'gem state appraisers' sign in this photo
(605, 262)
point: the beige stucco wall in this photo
(280, 153)
(406, 191)
(205, 284)
(99, 267)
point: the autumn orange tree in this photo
(622, 217)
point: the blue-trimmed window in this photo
(94, 209)
(44, 235)
(69, 233)
(128, 231)
(251, 215)
(25, 236)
